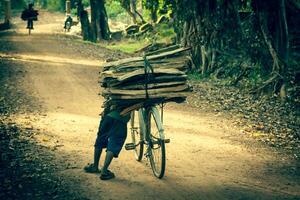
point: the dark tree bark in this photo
(103, 22)
(84, 20)
(267, 37)
(99, 21)
(274, 28)
(284, 33)
(94, 20)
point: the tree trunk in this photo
(142, 19)
(133, 17)
(133, 9)
(7, 5)
(284, 39)
(265, 33)
(99, 23)
(130, 7)
(84, 20)
(94, 19)
(213, 60)
(204, 60)
(85, 25)
(103, 22)
(283, 47)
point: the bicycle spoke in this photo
(136, 137)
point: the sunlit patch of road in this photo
(49, 59)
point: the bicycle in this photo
(147, 131)
(68, 24)
(67, 27)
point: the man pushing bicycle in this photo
(112, 133)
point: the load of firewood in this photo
(157, 77)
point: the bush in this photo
(116, 12)
(86, 3)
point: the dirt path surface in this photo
(206, 159)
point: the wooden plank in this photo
(152, 96)
(179, 88)
(152, 85)
(178, 63)
(157, 79)
(116, 74)
(156, 71)
(140, 64)
(124, 80)
(170, 48)
(152, 57)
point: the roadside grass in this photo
(126, 45)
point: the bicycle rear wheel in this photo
(157, 155)
(136, 135)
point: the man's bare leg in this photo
(105, 173)
(94, 167)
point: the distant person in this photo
(30, 15)
(68, 23)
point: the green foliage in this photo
(15, 4)
(164, 33)
(115, 11)
(56, 5)
(18, 4)
(86, 3)
(195, 76)
(151, 4)
(74, 12)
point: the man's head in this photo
(30, 5)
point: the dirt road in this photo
(206, 159)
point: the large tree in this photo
(98, 28)
(99, 21)
(84, 20)
(216, 29)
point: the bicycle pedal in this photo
(167, 140)
(129, 146)
(147, 154)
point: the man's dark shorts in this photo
(112, 134)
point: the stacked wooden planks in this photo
(155, 78)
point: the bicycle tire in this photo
(157, 156)
(136, 136)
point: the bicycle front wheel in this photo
(157, 155)
(136, 135)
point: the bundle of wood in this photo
(157, 77)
